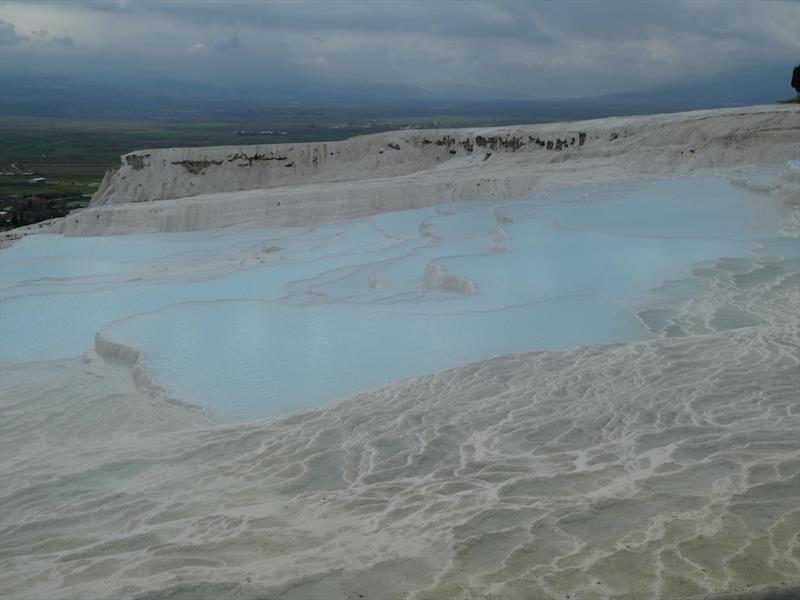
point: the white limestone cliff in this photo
(185, 189)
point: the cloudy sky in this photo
(500, 49)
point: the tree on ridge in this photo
(796, 79)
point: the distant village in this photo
(31, 198)
(249, 132)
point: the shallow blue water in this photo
(261, 322)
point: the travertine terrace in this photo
(184, 189)
(661, 469)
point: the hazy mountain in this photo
(65, 97)
(756, 84)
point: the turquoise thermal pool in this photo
(261, 322)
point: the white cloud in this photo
(305, 61)
(64, 41)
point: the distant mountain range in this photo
(27, 95)
(762, 84)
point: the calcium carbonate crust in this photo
(667, 469)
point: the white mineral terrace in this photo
(300, 184)
(536, 362)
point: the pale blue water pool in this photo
(261, 322)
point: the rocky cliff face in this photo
(181, 172)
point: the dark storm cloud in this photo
(523, 48)
(9, 35)
(444, 17)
